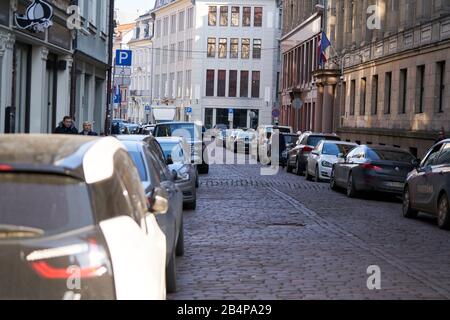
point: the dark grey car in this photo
(372, 168)
(427, 187)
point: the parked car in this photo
(232, 138)
(427, 187)
(220, 127)
(324, 156)
(245, 142)
(193, 133)
(221, 138)
(146, 154)
(298, 156)
(373, 168)
(176, 152)
(290, 140)
(264, 141)
(74, 207)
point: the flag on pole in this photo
(322, 46)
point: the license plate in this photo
(397, 185)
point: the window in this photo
(212, 16)
(432, 157)
(221, 83)
(172, 52)
(234, 48)
(257, 49)
(362, 105)
(171, 85)
(352, 97)
(188, 80)
(420, 88)
(444, 157)
(157, 56)
(343, 98)
(189, 49)
(402, 91)
(375, 94)
(211, 48)
(173, 23)
(245, 54)
(164, 85)
(165, 53)
(223, 46)
(180, 50)
(235, 16)
(179, 84)
(246, 17)
(210, 74)
(387, 92)
(190, 18)
(257, 22)
(256, 77)
(158, 29)
(232, 87)
(440, 85)
(157, 87)
(166, 26)
(244, 84)
(224, 16)
(181, 21)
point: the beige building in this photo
(396, 84)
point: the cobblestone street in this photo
(281, 237)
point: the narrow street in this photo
(282, 237)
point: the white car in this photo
(323, 157)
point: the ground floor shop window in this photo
(209, 118)
(240, 118)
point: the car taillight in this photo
(368, 166)
(91, 261)
(307, 149)
(5, 167)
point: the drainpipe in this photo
(109, 77)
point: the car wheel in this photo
(191, 205)
(288, 168)
(317, 177)
(407, 211)
(443, 214)
(351, 190)
(171, 275)
(179, 251)
(333, 185)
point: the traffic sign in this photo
(122, 72)
(230, 111)
(122, 81)
(188, 110)
(124, 58)
(147, 108)
(275, 113)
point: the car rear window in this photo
(186, 130)
(390, 155)
(139, 162)
(49, 203)
(315, 140)
(335, 149)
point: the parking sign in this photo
(123, 58)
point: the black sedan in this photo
(372, 168)
(428, 186)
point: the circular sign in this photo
(275, 113)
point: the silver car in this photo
(176, 152)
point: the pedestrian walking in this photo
(87, 129)
(66, 126)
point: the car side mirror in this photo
(158, 202)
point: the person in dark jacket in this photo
(66, 126)
(87, 129)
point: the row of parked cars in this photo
(93, 218)
(424, 185)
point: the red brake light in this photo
(307, 149)
(5, 167)
(369, 166)
(47, 271)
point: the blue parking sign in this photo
(123, 58)
(188, 110)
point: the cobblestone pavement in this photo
(281, 237)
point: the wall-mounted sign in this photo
(37, 17)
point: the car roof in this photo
(86, 158)
(134, 137)
(170, 139)
(176, 122)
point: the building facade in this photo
(37, 64)
(219, 59)
(140, 97)
(387, 79)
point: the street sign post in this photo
(230, 115)
(122, 72)
(124, 58)
(188, 110)
(122, 81)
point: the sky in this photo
(128, 10)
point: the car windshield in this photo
(174, 150)
(334, 149)
(47, 203)
(315, 140)
(188, 131)
(139, 163)
(390, 155)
